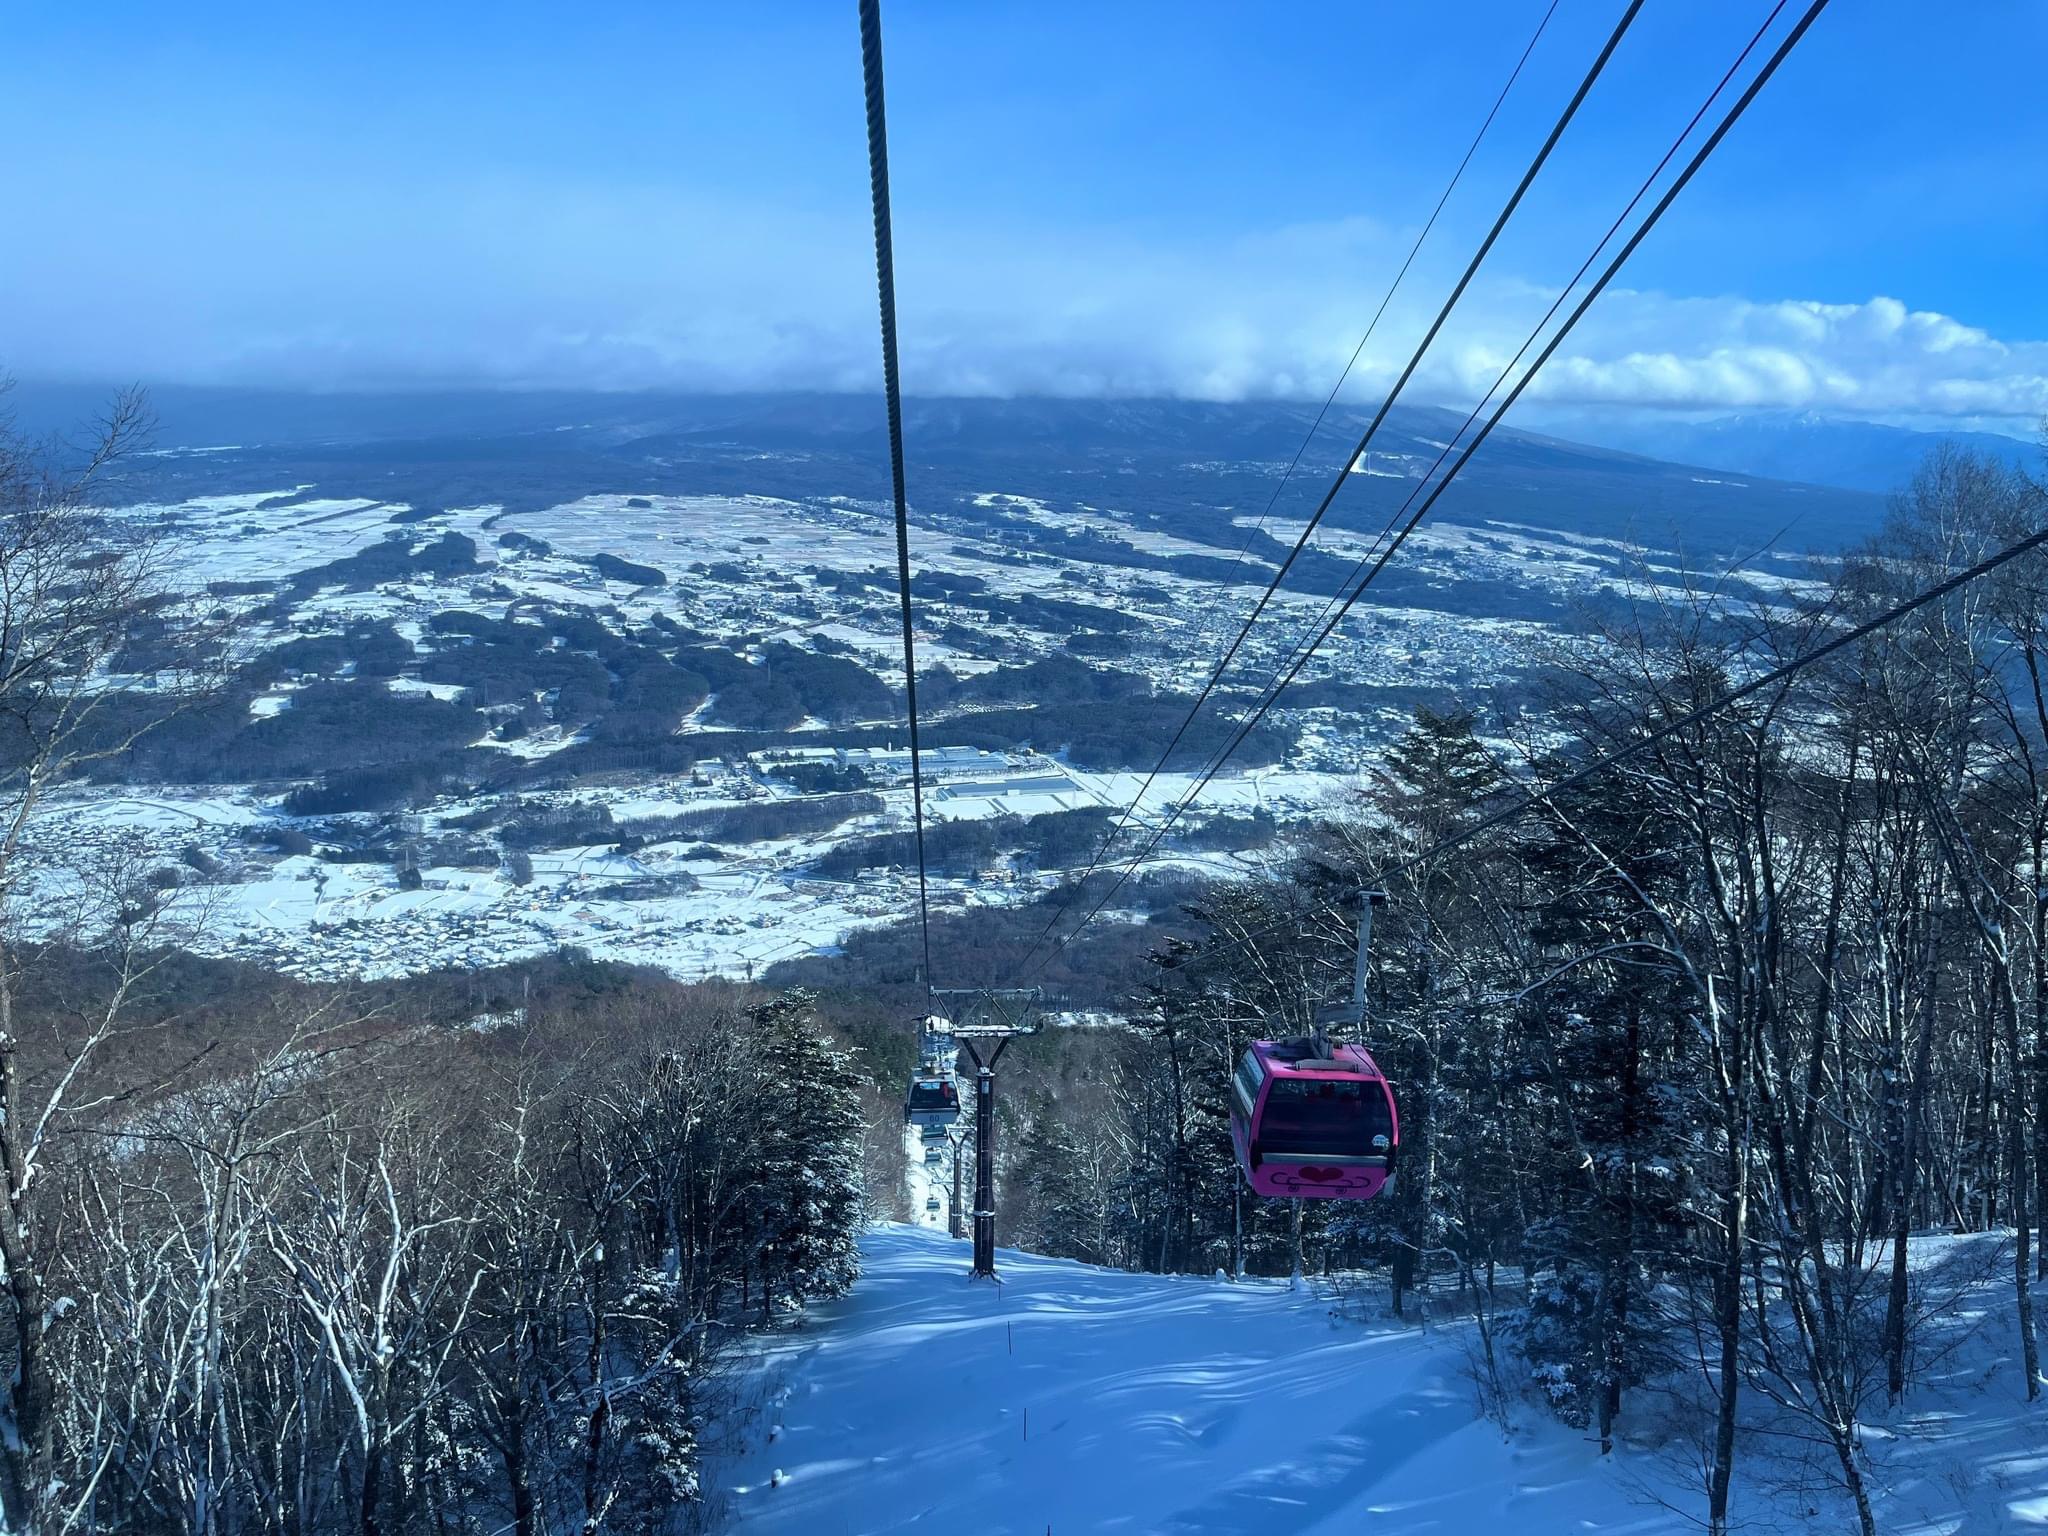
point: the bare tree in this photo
(72, 583)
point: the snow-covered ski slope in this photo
(1076, 1400)
(1082, 1400)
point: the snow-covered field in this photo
(746, 571)
(670, 903)
(1070, 1399)
(323, 919)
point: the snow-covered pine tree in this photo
(1604, 1040)
(1058, 1207)
(1429, 960)
(809, 1177)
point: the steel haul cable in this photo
(1671, 193)
(1770, 679)
(1315, 426)
(1533, 798)
(1368, 566)
(885, 282)
(1443, 314)
(1245, 727)
(1422, 482)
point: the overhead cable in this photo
(885, 282)
(1670, 195)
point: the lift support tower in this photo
(981, 1015)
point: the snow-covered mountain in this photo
(1797, 446)
(1188, 465)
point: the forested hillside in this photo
(408, 1271)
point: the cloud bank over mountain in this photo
(1873, 358)
(520, 285)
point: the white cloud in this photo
(1877, 358)
(614, 287)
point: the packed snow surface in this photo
(1077, 1399)
(1070, 1399)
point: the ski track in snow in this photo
(1073, 1400)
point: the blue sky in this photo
(1196, 199)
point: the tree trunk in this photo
(2007, 1004)
(1621, 1251)
(2040, 1064)
(28, 1389)
(517, 1481)
(1236, 1225)
(1728, 1326)
(1905, 1159)
(372, 1486)
(600, 1411)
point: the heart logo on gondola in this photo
(1321, 1175)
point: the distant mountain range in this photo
(1799, 445)
(1173, 459)
(1709, 488)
